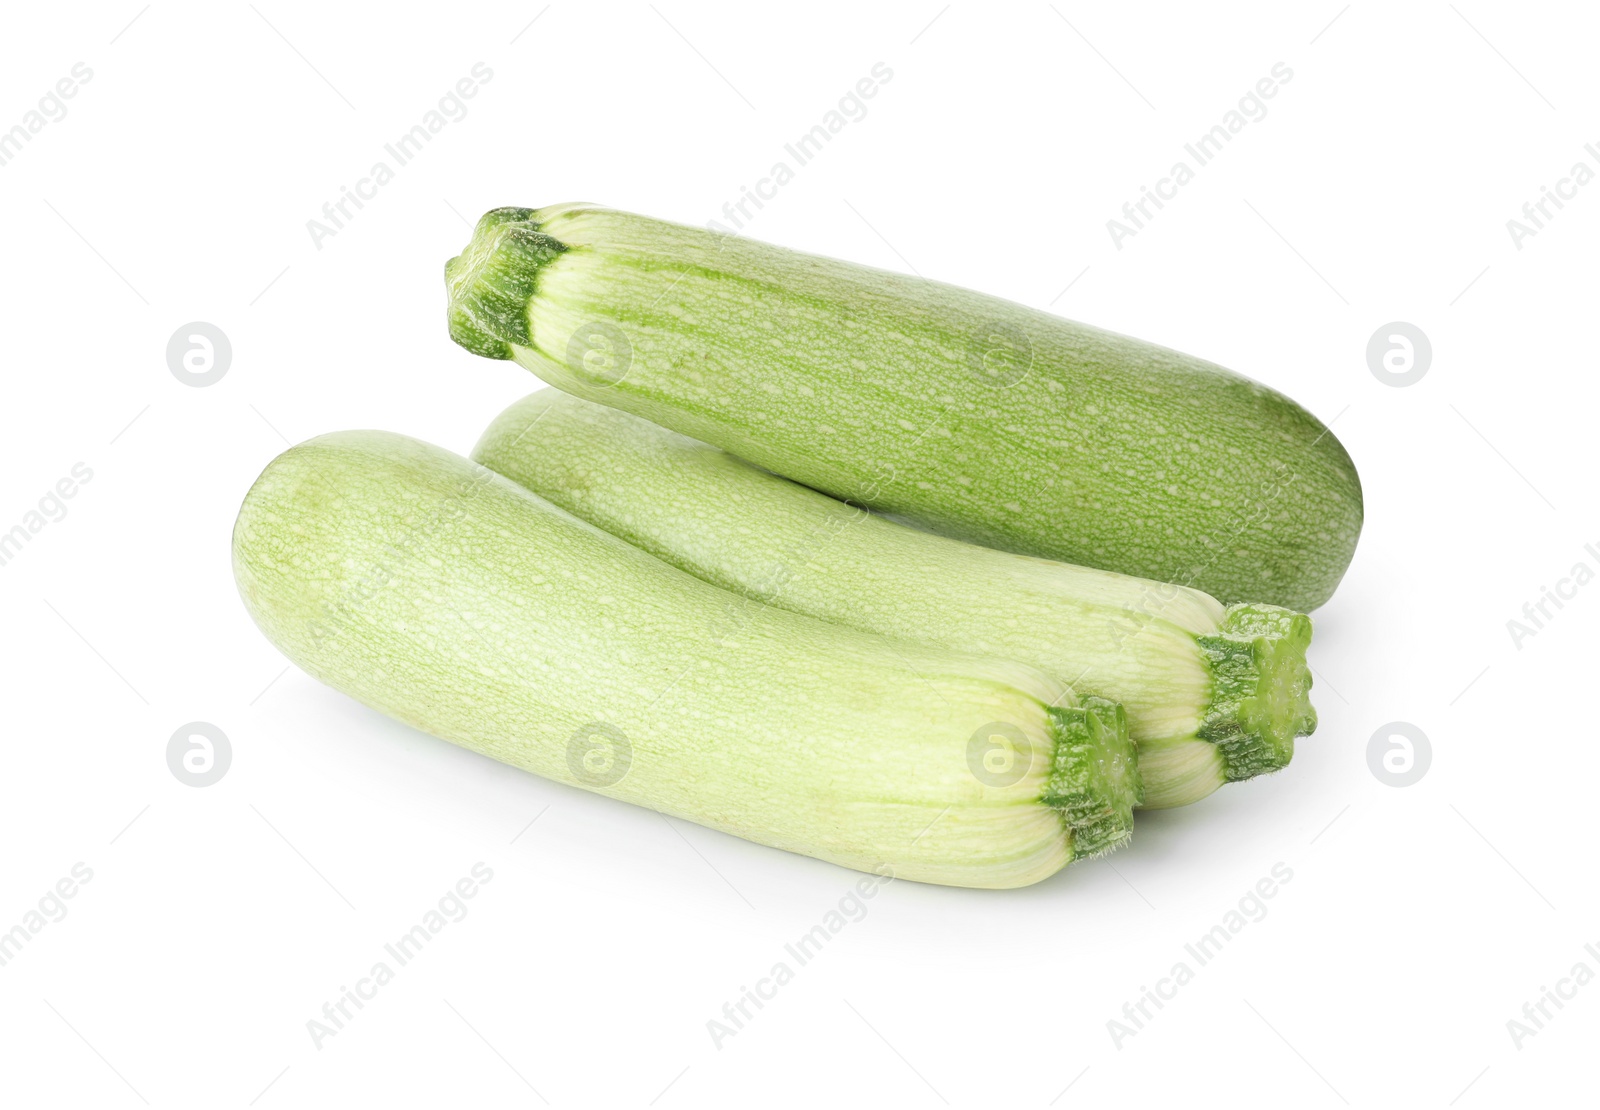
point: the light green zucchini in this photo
(972, 416)
(1212, 694)
(451, 599)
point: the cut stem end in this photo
(1262, 697)
(1094, 781)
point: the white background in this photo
(219, 920)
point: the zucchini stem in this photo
(1261, 697)
(492, 280)
(1094, 782)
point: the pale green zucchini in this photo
(970, 415)
(453, 600)
(1211, 694)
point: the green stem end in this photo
(492, 280)
(1094, 781)
(1262, 697)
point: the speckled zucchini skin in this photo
(453, 600)
(1212, 694)
(972, 416)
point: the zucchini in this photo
(1211, 694)
(975, 417)
(453, 600)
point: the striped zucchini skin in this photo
(972, 416)
(1211, 694)
(455, 601)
